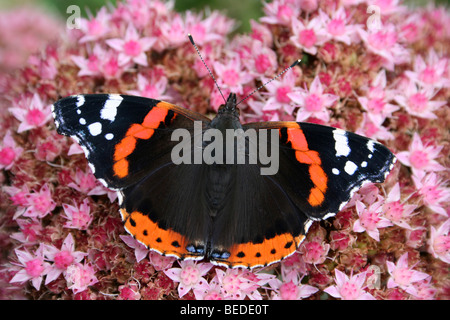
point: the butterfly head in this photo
(230, 107)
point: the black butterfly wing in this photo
(265, 217)
(321, 167)
(128, 143)
(111, 127)
(258, 223)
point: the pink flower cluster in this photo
(51, 262)
(23, 31)
(386, 77)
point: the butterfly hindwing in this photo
(256, 224)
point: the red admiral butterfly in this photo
(227, 213)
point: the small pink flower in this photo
(160, 262)
(290, 287)
(308, 5)
(439, 242)
(214, 291)
(418, 101)
(237, 284)
(34, 267)
(340, 240)
(110, 65)
(80, 276)
(75, 149)
(220, 23)
(415, 237)
(190, 276)
(435, 195)
(173, 33)
(262, 61)
(231, 75)
(96, 28)
(349, 288)
(430, 73)
(31, 113)
(384, 42)
(140, 251)
(280, 12)
(373, 130)
(308, 36)
(314, 252)
(338, 27)
(39, 203)
(425, 290)
(376, 99)
(129, 291)
(79, 217)
(91, 65)
(420, 157)
(85, 182)
(150, 88)
(18, 196)
(278, 95)
(61, 258)
(9, 151)
(30, 232)
(389, 7)
(410, 29)
(402, 276)
(261, 32)
(396, 211)
(313, 103)
(132, 47)
(293, 265)
(201, 30)
(370, 219)
(292, 290)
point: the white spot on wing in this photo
(95, 128)
(335, 171)
(109, 136)
(370, 145)
(80, 100)
(350, 167)
(109, 110)
(82, 121)
(341, 143)
(120, 197)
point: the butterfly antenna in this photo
(276, 77)
(210, 73)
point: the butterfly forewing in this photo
(123, 137)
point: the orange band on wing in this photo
(166, 242)
(297, 139)
(121, 168)
(138, 131)
(261, 254)
(312, 158)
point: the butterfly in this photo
(221, 210)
